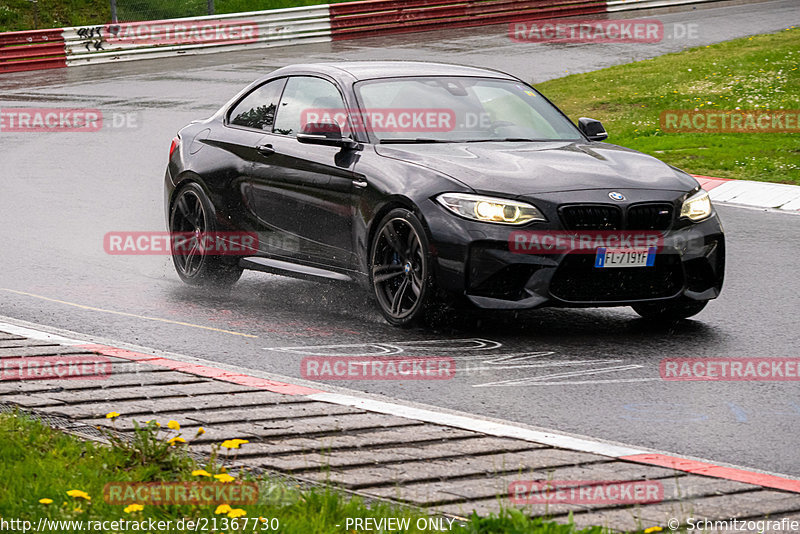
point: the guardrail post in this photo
(114, 12)
(210, 7)
(35, 14)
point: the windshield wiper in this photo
(411, 140)
(507, 140)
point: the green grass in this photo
(17, 15)
(37, 462)
(759, 72)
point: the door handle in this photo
(360, 183)
(265, 150)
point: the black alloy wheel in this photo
(400, 269)
(191, 220)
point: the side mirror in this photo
(593, 129)
(324, 133)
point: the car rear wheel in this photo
(670, 311)
(400, 268)
(191, 217)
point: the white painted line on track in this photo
(486, 427)
(38, 335)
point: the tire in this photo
(400, 271)
(670, 311)
(192, 212)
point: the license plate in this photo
(628, 257)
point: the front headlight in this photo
(697, 207)
(489, 209)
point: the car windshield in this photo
(458, 109)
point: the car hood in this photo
(542, 167)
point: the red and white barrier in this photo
(32, 50)
(351, 20)
(87, 45)
(783, 197)
(199, 35)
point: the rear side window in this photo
(304, 97)
(257, 110)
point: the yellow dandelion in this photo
(201, 431)
(176, 440)
(236, 512)
(112, 415)
(223, 509)
(46, 501)
(133, 508)
(224, 478)
(234, 443)
(174, 425)
(201, 473)
(652, 529)
(78, 494)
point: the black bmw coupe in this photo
(437, 184)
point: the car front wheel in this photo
(400, 268)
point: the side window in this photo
(257, 110)
(305, 99)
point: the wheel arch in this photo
(183, 180)
(394, 202)
(186, 178)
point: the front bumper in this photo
(473, 263)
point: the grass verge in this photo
(17, 15)
(45, 473)
(752, 73)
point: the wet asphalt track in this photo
(590, 372)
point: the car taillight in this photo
(175, 142)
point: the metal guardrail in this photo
(87, 45)
(197, 35)
(32, 50)
(380, 17)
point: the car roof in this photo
(367, 70)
